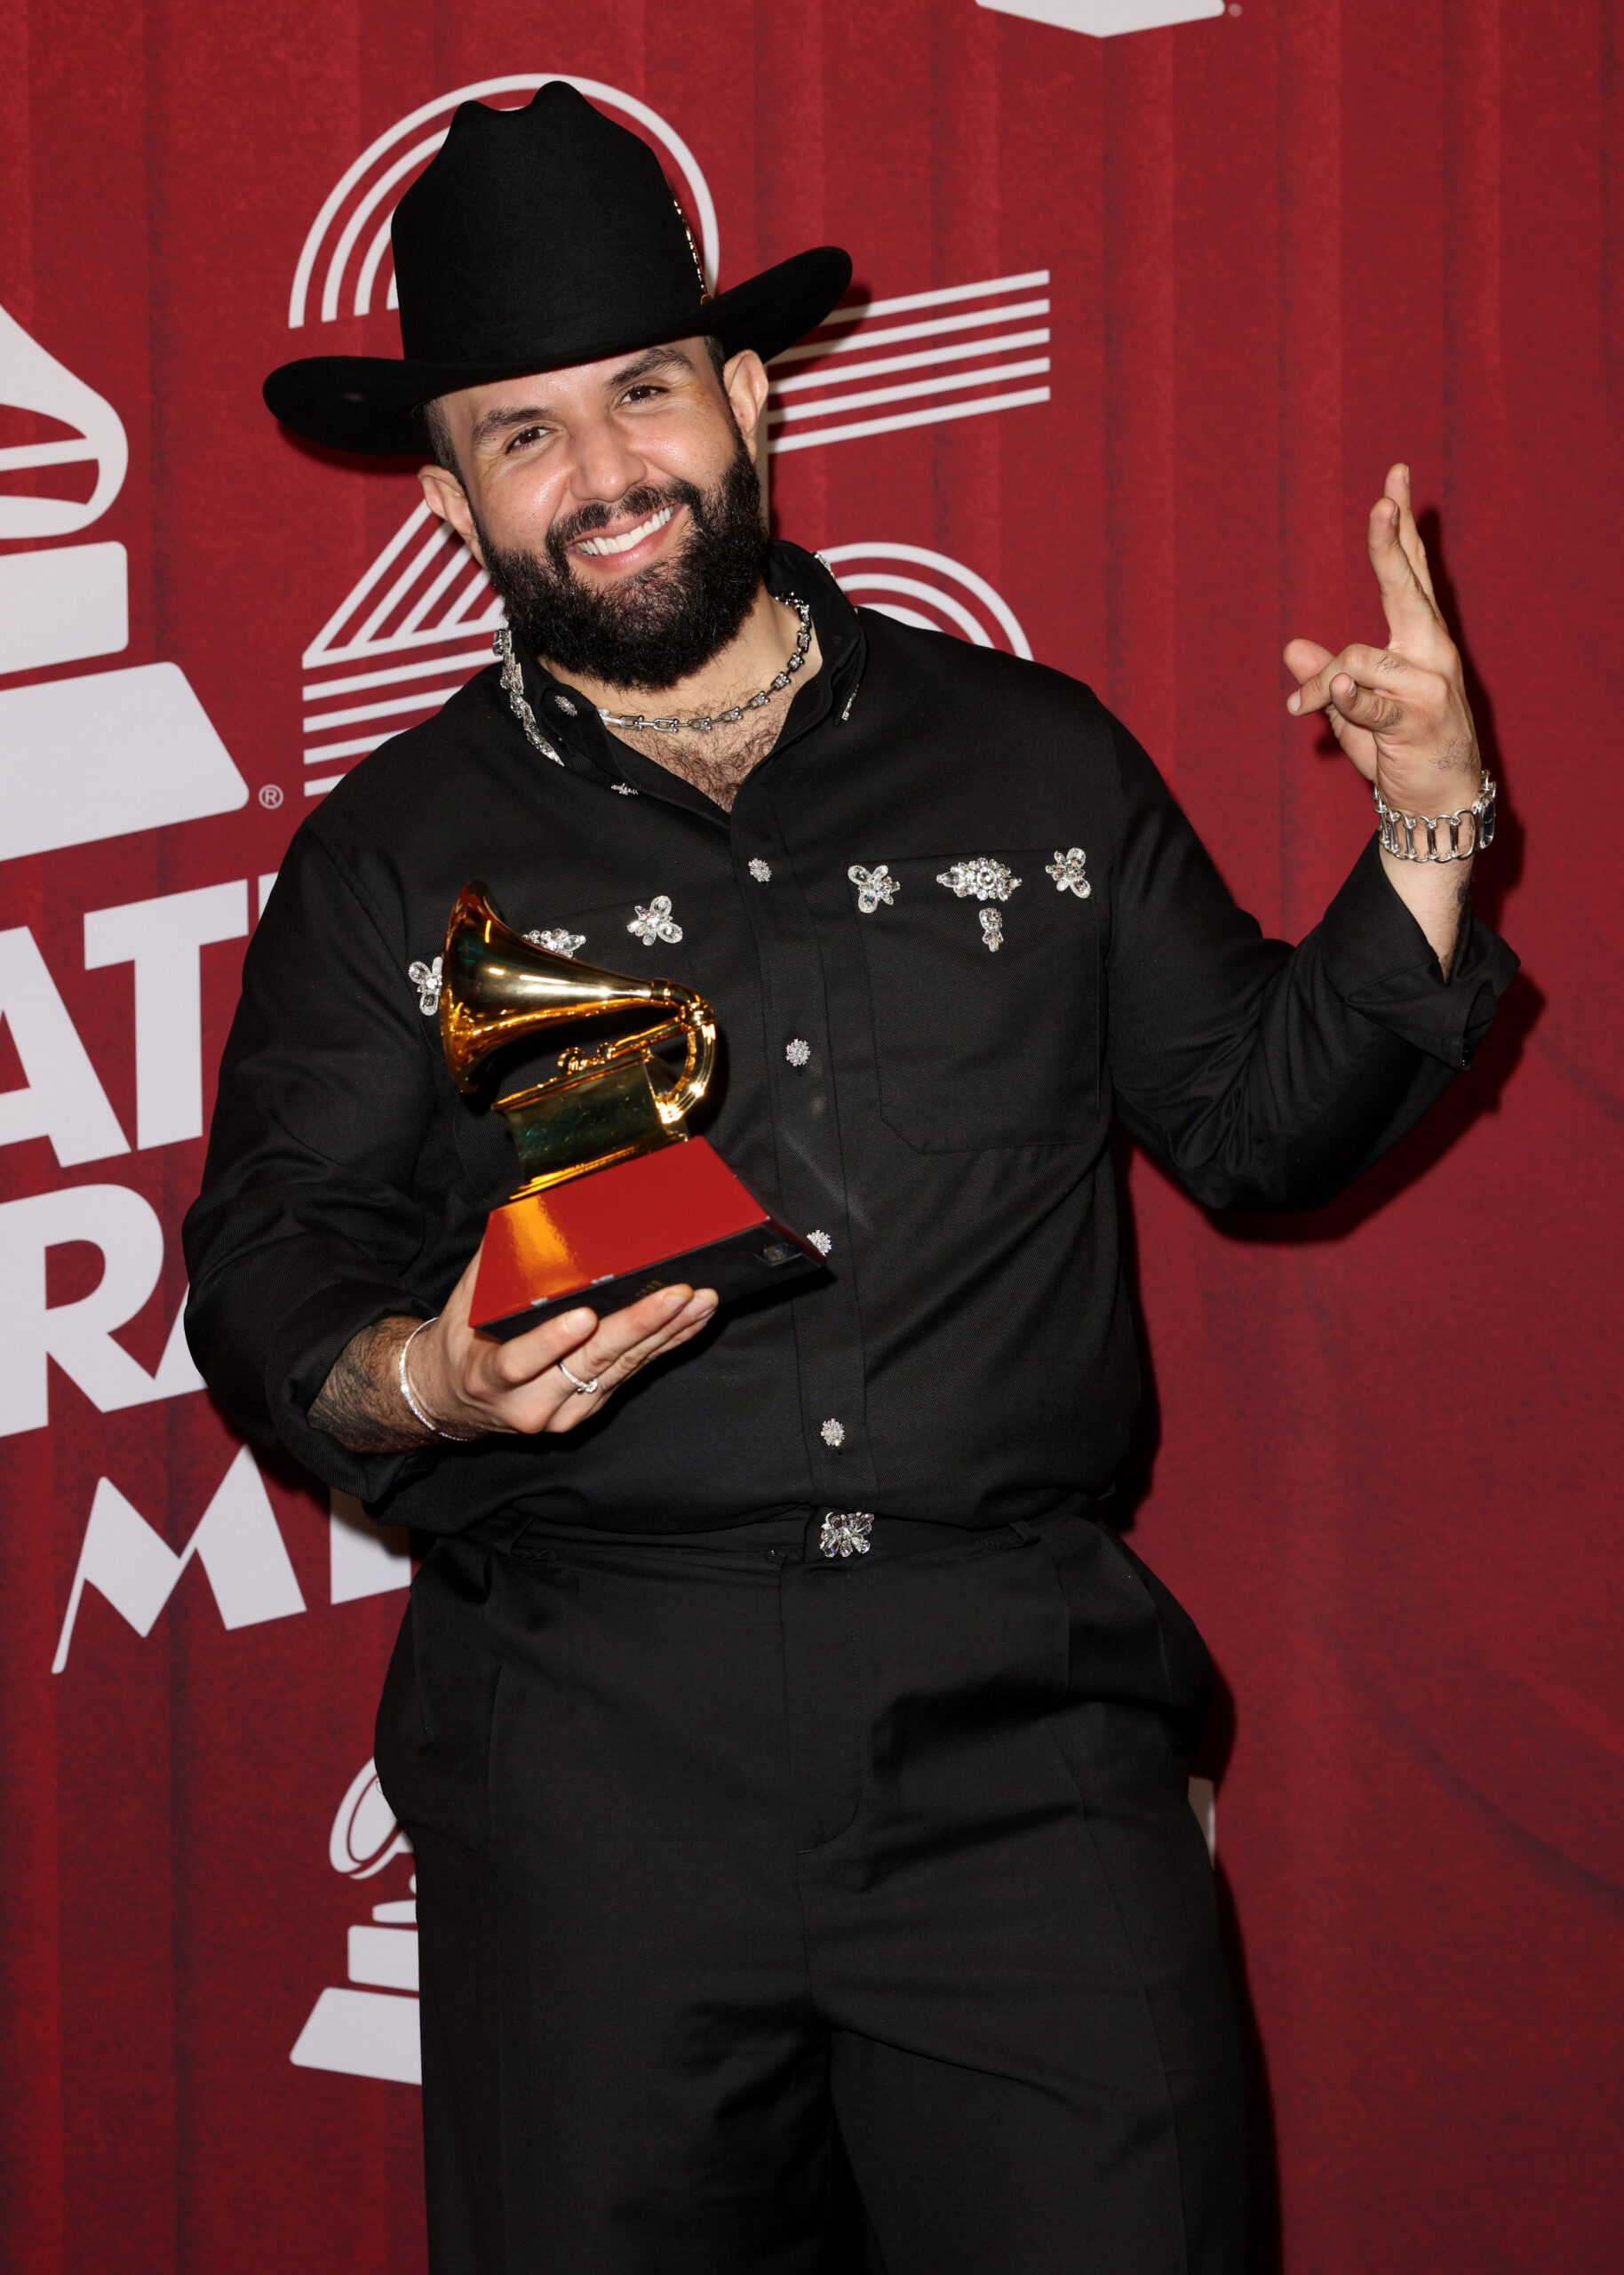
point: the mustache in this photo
(655, 629)
(638, 503)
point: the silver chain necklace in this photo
(705, 724)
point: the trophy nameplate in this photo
(618, 1198)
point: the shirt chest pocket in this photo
(984, 980)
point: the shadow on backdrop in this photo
(1477, 1091)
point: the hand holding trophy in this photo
(618, 1198)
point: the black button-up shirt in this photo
(920, 1071)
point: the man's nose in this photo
(602, 467)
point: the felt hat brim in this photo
(372, 402)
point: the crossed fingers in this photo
(1370, 687)
(1401, 710)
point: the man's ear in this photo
(744, 379)
(445, 498)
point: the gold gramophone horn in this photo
(603, 1105)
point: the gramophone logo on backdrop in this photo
(93, 756)
(419, 621)
(369, 2029)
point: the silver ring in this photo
(582, 1390)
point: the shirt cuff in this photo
(1383, 965)
(303, 1354)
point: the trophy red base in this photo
(678, 1214)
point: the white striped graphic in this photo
(367, 677)
(928, 590)
(987, 351)
(418, 624)
(367, 673)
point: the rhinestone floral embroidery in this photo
(512, 681)
(1067, 871)
(561, 943)
(761, 871)
(845, 1532)
(833, 1433)
(992, 928)
(980, 877)
(654, 922)
(873, 886)
(426, 979)
(821, 1241)
(798, 1050)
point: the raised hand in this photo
(1400, 713)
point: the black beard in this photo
(660, 625)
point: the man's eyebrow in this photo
(500, 420)
(654, 359)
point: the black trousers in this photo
(734, 1861)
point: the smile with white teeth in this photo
(598, 545)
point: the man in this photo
(787, 1740)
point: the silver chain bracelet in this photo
(1415, 837)
(428, 1422)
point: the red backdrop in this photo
(1237, 265)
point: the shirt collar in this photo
(572, 728)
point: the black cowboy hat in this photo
(537, 239)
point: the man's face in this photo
(616, 507)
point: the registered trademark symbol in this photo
(1234, 7)
(270, 794)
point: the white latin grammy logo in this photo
(371, 2031)
(92, 757)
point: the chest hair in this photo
(715, 763)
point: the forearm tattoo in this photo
(1463, 901)
(360, 1403)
